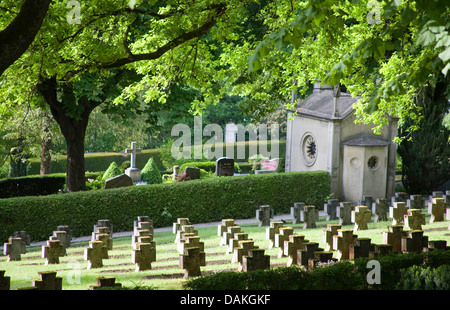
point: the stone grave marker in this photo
(190, 242)
(380, 210)
(362, 247)
(414, 219)
(437, 209)
(5, 282)
(243, 248)
(397, 212)
(366, 201)
(143, 222)
(328, 235)
(394, 237)
(68, 236)
(330, 209)
(447, 214)
(133, 172)
(320, 257)
(143, 255)
(282, 236)
(14, 248)
(291, 246)
(180, 222)
(121, 180)
(22, 234)
(229, 234)
(273, 229)
(344, 213)
(303, 255)
(61, 235)
(53, 251)
(415, 202)
(104, 223)
(399, 197)
(224, 167)
(94, 254)
(264, 214)
(139, 235)
(295, 212)
(223, 227)
(255, 260)
(234, 242)
(361, 216)
(191, 260)
(185, 229)
(47, 281)
(309, 217)
(102, 282)
(437, 245)
(414, 241)
(102, 234)
(342, 242)
(193, 173)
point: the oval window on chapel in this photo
(373, 162)
(309, 149)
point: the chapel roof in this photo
(321, 104)
(366, 141)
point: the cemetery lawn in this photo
(166, 273)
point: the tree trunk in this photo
(73, 130)
(46, 158)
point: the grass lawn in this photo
(166, 273)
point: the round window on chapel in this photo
(309, 149)
(373, 162)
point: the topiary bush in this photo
(112, 171)
(150, 173)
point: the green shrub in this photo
(32, 185)
(420, 278)
(150, 173)
(112, 171)
(202, 201)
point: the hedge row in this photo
(204, 200)
(32, 186)
(397, 271)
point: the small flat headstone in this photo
(121, 180)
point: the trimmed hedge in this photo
(206, 200)
(397, 272)
(32, 186)
(209, 166)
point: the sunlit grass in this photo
(166, 273)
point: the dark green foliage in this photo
(398, 271)
(150, 173)
(425, 161)
(112, 171)
(209, 166)
(32, 186)
(207, 200)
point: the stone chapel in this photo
(322, 135)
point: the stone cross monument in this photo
(133, 172)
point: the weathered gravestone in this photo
(143, 255)
(397, 212)
(47, 281)
(309, 216)
(104, 282)
(415, 202)
(190, 242)
(328, 235)
(414, 241)
(255, 260)
(22, 234)
(180, 222)
(5, 282)
(307, 252)
(193, 173)
(342, 242)
(143, 222)
(399, 197)
(103, 234)
(229, 234)
(282, 236)
(14, 248)
(242, 249)
(273, 229)
(414, 219)
(61, 235)
(185, 230)
(366, 201)
(320, 257)
(122, 180)
(191, 260)
(264, 214)
(362, 247)
(53, 251)
(437, 209)
(142, 233)
(437, 245)
(381, 250)
(380, 210)
(95, 253)
(133, 172)
(361, 216)
(394, 237)
(330, 209)
(234, 242)
(291, 246)
(68, 237)
(295, 211)
(223, 227)
(224, 167)
(344, 213)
